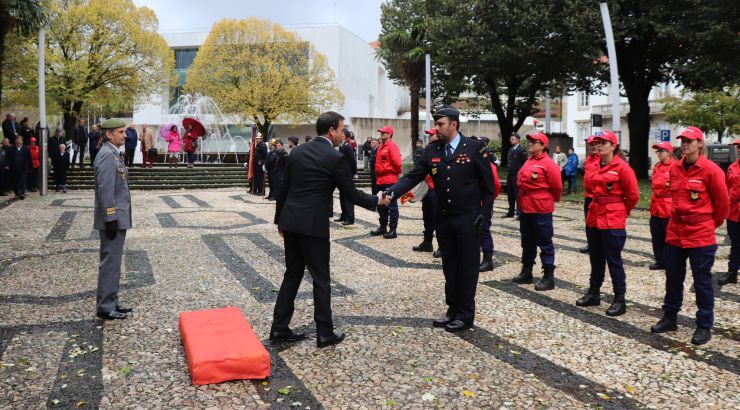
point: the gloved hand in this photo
(478, 223)
(111, 229)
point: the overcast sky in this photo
(361, 17)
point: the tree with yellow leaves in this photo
(108, 51)
(261, 72)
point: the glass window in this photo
(184, 58)
(583, 99)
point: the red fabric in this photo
(189, 138)
(430, 182)
(615, 193)
(387, 163)
(220, 345)
(661, 203)
(590, 164)
(540, 185)
(733, 185)
(694, 220)
(496, 181)
(35, 156)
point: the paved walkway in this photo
(194, 250)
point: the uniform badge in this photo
(434, 171)
(609, 186)
(534, 175)
(667, 183)
(436, 160)
(694, 195)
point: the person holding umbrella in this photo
(193, 130)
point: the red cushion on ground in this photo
(220, 345)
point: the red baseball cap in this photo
(590, 139)
(33, 139)
(666, 146)
(608, 136)
(737, 142)
(692, 133)
(387, 129)
(538, 136)
(431, 131)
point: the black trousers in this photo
(459, 243)
(658, 228)
(348, 208)
(512, 192)
(20, 179)
(301, 252)
(129, 159)
(258, 180)
(93, 154)
(429, 211)
(81, 151)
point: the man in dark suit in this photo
(19, 160)
(517, 158)
(79, 137)
(374, 144)
(314, 170)
(348, 207)
(463, 181)
(11, 129)
(260, 155)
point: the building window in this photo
(184, 58)
(583, 99)
(583, 131)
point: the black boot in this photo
(437, 254)
(390, 234)
(548, 279)
(618, 306)
(667, 323)
(486, 264)
(591, 298)
(584, 249)
(701, 336)
(380, 231)
(525, 276)
(729, 277)
(424, 246)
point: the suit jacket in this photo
(112, 197)
(314, 170)
(517, 158)
(260, 153)
(80, 135)
(349, 154)
(8, 130)
(19, 160)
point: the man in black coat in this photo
(374, 144)
(348, 207)
(517, 158)
(93, 140)
(11, 129)
(4, 173)
(19, 164)
(463, 182)
(260, 155)
(314, 170)
(79, 137)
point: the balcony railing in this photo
(624, 109)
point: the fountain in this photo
(218, 139)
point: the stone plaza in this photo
(192, 250)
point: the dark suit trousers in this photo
(512, 192)
(81, 151)
(258, 180)
(20, 179)
(459, 243)
(303, 251)
(348, 208)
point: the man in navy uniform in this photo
(463, 182)
(260, 155)
(517, 157)
(112, 217)
(348, 207)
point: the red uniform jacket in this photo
(387, 163)
(540, 185)
(591, 163)
(496, 181)
(615, 193)
(700, 203)
(661, 202)
(35, 161)
(733, 185)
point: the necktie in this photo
(449, 151)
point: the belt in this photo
(692, 219)
(602, 200)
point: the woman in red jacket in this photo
(661, 203)
(700, 205)
(615, 193)
(589, 163)
(540, 187)
(733, 221)
(190, 140)
(387, 169)
(35, 163)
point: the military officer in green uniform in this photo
(112, 217)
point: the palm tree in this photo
(402, 49)
(22, 16)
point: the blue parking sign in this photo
(665, 135)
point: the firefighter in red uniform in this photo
(540, 187)
(661, 203)
(733, 221)
(700, 205)
(387, 168)
(615, 193)
(591, 161)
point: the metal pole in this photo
(428, 85)
(547, 111)
(42, 114)
(613, 72)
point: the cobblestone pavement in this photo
(194, 250)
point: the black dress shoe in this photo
(457, 326)
(111, 315)
(286, 336)
(618, 306)
(509, 215)
(123, 309)
(334, 339)
(382, 230)
(656, 266)
(442, 322)
(701, 336)
(348, 222)
(339, 220)
(584, 250)
(391, 234)
(437, 254)
(726, 278)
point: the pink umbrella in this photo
(164, 132)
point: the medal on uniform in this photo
(694, 195)
(434, 171)
(534, 175)
(609, 186)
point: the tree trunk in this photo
(264, 129)
(505, 123)
(638, 121)
(414, 90)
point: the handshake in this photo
(384, 198)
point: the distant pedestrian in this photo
(348, 207)
(25, 131)
(661, 202)
(33, 149)
(259, 157)
(148, 146)
(54, 141)
(10, 127)
(4, 167)
(374, 144)
(79, 139)
(517, 156)
(366, 151)
(292, 143)
(560, 159)
(132, 139)
(174, 145)
(571, 170)
(190, 144)
(387, 169)
(20, 165)
(61, 163)
(93, 141)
